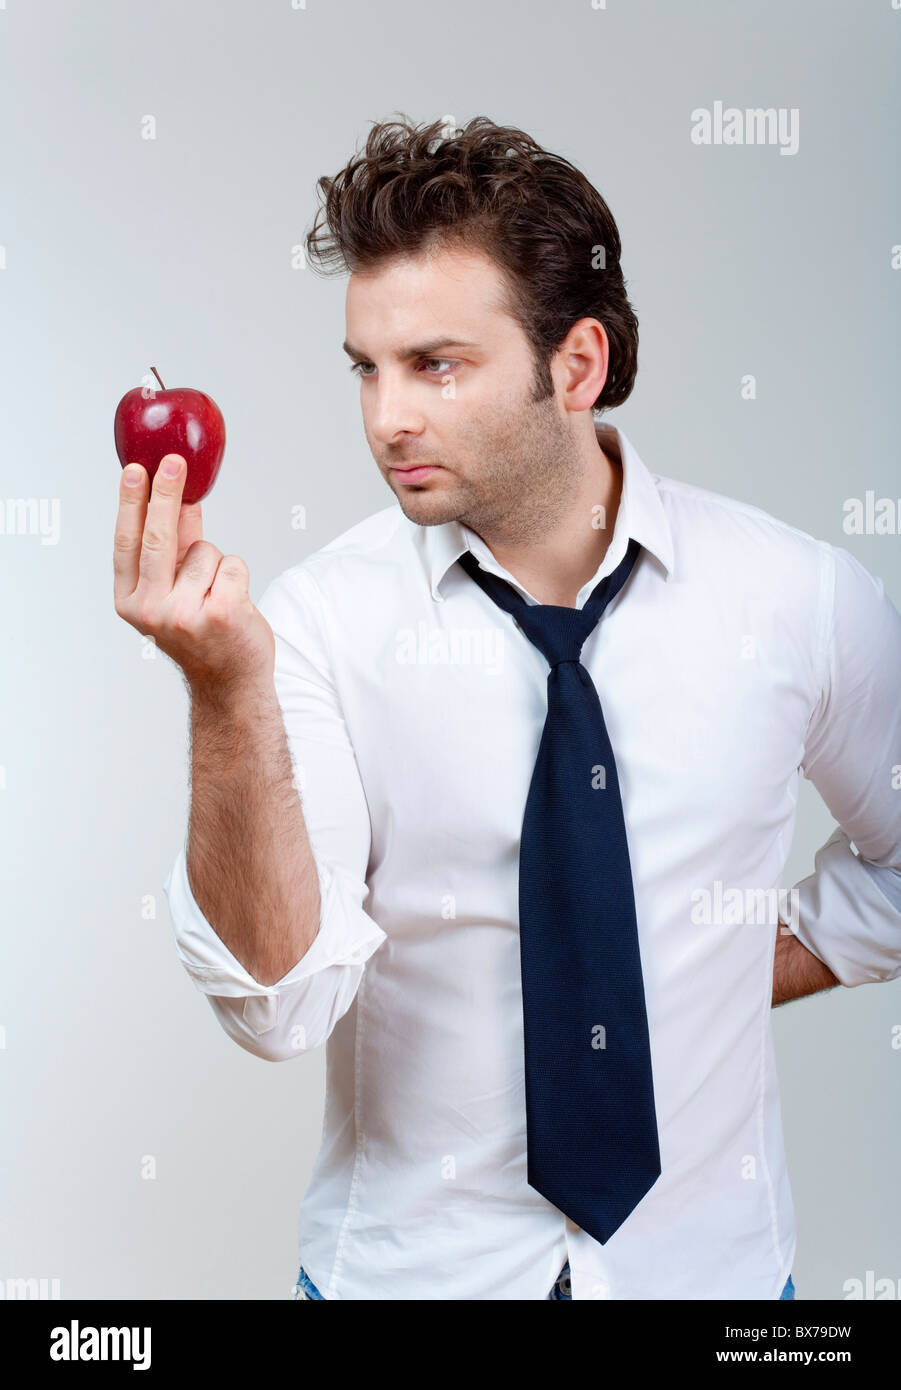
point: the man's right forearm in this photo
(250, 865)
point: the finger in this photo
(156, 567)
(196, 573)
(190, 529)
(232, 579)
(129, 530)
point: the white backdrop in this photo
(157, 166)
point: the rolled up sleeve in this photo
(299, 1011)
(849, 908)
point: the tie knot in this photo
(558, 633)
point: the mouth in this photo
(415, 474)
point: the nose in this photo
(390, 410)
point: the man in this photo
(489, 792)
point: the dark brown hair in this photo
(490, 188)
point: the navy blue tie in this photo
(591, 1123)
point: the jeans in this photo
(305, 1288)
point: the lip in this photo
(413, 475)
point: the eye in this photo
(362, 369)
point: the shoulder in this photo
(743, 561)
(354, 557)
(723, 541)
(711, 518)
(760, 543)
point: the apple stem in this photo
(158, 377)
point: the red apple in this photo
(176, 420)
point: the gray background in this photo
(122, 253)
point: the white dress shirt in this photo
(741, 651)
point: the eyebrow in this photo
(416, 350)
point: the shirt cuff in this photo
(849, 914)
(347, 936)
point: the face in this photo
(447, 379)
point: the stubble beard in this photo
(522, 467)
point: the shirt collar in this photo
(640, 515)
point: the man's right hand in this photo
(176, 587)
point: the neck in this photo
(554, 568)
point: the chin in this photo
(424, 510)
